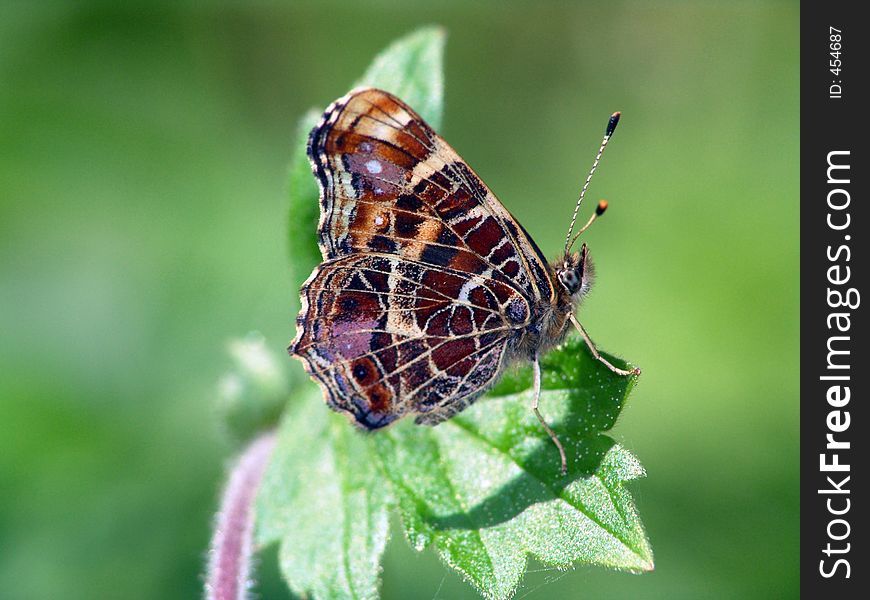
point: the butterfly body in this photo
(429, 287)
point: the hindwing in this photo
(385, 336)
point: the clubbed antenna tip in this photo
(602, 206)
(611, 125)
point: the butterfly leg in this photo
(596, 354)
(536, 366)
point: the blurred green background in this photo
(143, 154)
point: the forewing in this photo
(385, 336)
(390, 184)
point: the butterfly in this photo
(428, 287)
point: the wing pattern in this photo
(426, 276)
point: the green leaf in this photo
(323, 498)
(483, 488)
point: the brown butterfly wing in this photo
(426, 275)
(385, 336)
(390, 184)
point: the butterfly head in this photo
(575, 272)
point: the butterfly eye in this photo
(570, 280)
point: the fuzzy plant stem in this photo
(229, 565)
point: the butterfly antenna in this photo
(611, 127)
(599, 210)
